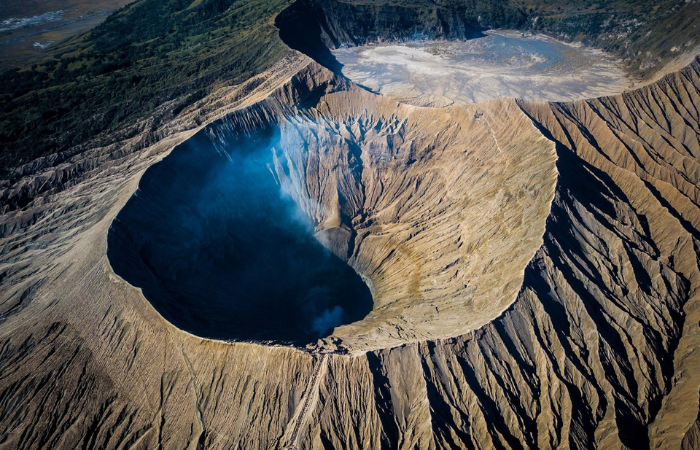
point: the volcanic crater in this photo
(333, 217)
(439, 210)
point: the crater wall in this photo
(438, 210)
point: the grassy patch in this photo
(144, 55)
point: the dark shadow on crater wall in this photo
(301, 30)
(221, 252)
(314, 27)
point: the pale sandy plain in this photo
(500, 64)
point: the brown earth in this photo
(534, 267)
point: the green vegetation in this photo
(144, 55)
(642, 32)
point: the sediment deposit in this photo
(497, 65)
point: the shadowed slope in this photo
(222, 251)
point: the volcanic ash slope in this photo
(547, 252)
(440, 210)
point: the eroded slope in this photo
(597, 349)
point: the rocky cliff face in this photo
(347, 23)
(535, 272)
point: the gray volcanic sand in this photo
(500, 64)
